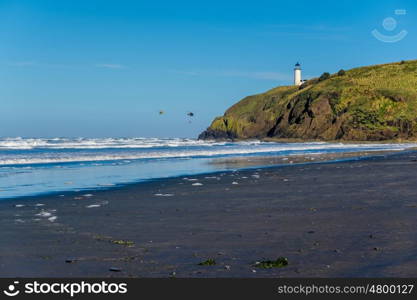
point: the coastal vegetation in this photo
(370, 103)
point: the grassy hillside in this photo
(368, 103)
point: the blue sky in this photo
(105, 68)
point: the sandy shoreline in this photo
(343, 219)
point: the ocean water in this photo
(30, 166)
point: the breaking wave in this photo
(31, 166)
(23, 151)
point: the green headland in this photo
(372, 103)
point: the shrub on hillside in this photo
(324, 76)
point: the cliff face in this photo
(368, 104)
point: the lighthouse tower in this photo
(297, 74)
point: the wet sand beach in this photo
(341, 219)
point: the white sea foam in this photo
(31, 166)
(93, 206)
(161, 149)
(44, 214)
(100, 143)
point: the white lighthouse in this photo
(297, 74)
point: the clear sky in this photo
(97, 68)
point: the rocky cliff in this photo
(368, 104)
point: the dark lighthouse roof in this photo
(297, 65)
